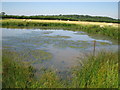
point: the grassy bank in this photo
(100, 71)
(111, 31)
(16, 74)
(20, 74)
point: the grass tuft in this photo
(100, 71)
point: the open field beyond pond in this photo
(107, 29)
(102, 24)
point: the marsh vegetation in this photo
(100, 71)
(89, 28)
(58, 57)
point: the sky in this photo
(60, 0)
(109, 9)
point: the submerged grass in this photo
(17, 74)
(58, 36)
(93, 29)
(100, 71)
(36, 56)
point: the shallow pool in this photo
(59, 49)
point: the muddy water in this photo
(58, 49)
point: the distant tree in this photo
(60, 15)
(2, 13)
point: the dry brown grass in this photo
(102, 24)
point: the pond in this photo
(58, 49)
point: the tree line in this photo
(64, 17)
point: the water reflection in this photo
(65, 46)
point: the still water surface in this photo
(61, 47)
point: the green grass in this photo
(19, 74)
(100, 71)
(16, 74)
(48, 79)
(92, 29)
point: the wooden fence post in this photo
(94, 47)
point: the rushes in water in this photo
(100, 71)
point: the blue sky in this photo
(55, 8)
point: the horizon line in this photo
(62, 14)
